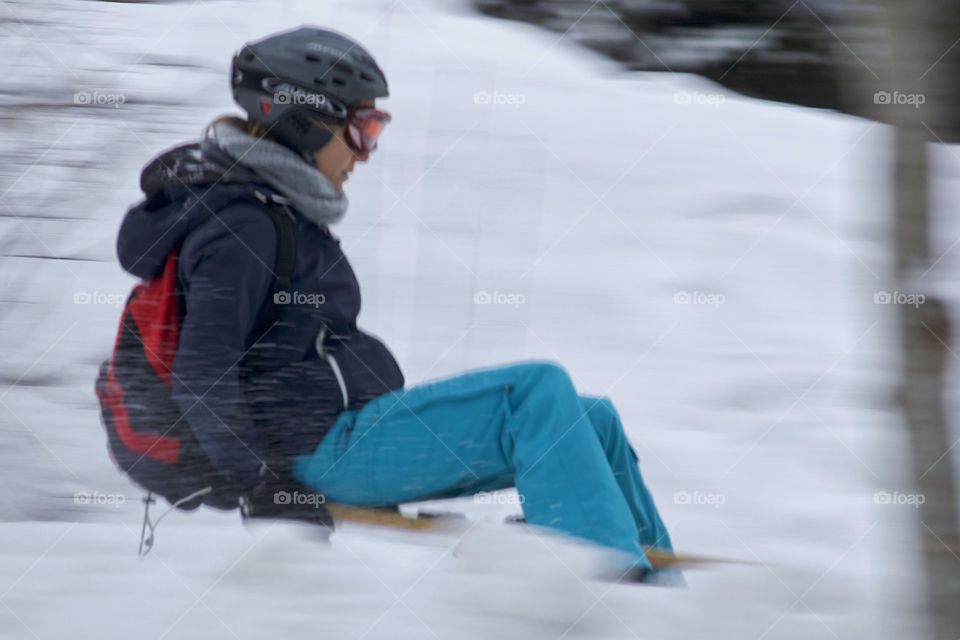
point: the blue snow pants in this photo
(521, 425)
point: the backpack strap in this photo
(286, 258)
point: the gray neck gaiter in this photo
(310, 192)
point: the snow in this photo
(521, 166)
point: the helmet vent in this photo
(339, 82)
(365, 77)
(320, 81)
(312, 58)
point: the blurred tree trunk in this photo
(921, 31)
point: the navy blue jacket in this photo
(256, 398)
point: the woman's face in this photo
(335, 159)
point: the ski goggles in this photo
(364, 127)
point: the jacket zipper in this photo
(337, 373)
(339, 376)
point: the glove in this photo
(224, 491)
(228, 489)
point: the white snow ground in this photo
(517, 165)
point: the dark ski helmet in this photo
(292, 82)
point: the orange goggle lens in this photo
(364, 128)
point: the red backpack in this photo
(148, 437)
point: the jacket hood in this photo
(181, 187)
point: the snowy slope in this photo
(516, 166)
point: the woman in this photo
(311, 398)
